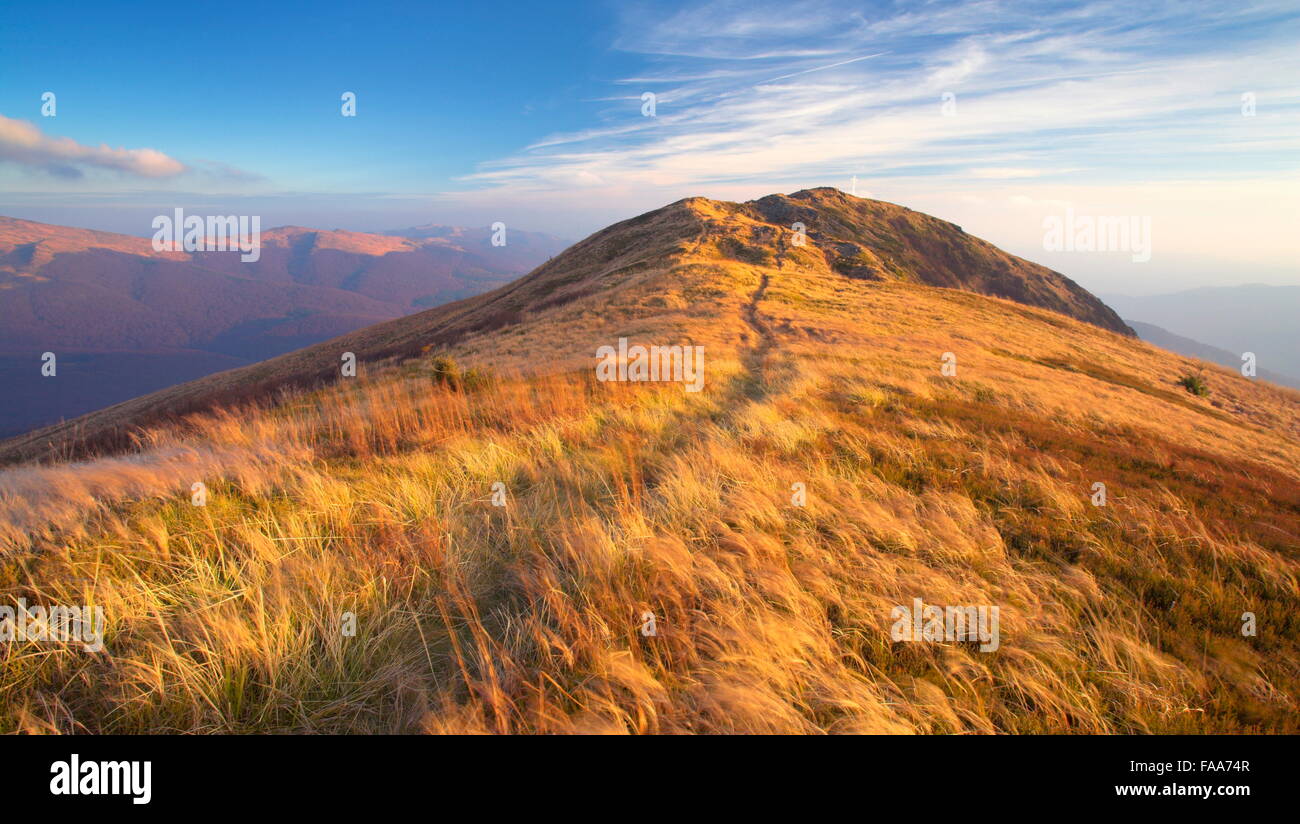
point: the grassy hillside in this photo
(373, 496)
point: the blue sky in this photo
(532, 114)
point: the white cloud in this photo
(21, 142)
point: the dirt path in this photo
(755, 359)
(755, 320)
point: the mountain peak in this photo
(821, 193)
(833, 232)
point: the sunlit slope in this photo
(648, 265)
(374, 497)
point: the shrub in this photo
(446, 371)
(1194, 384)
(474, 378)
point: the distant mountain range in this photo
(1193, 348)
(1230, 319)
(124, 320)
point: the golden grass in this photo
(374, 497)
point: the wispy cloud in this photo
(1041, 92)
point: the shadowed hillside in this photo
(498, 523)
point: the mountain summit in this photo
(842, 237)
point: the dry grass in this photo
(373, 497)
